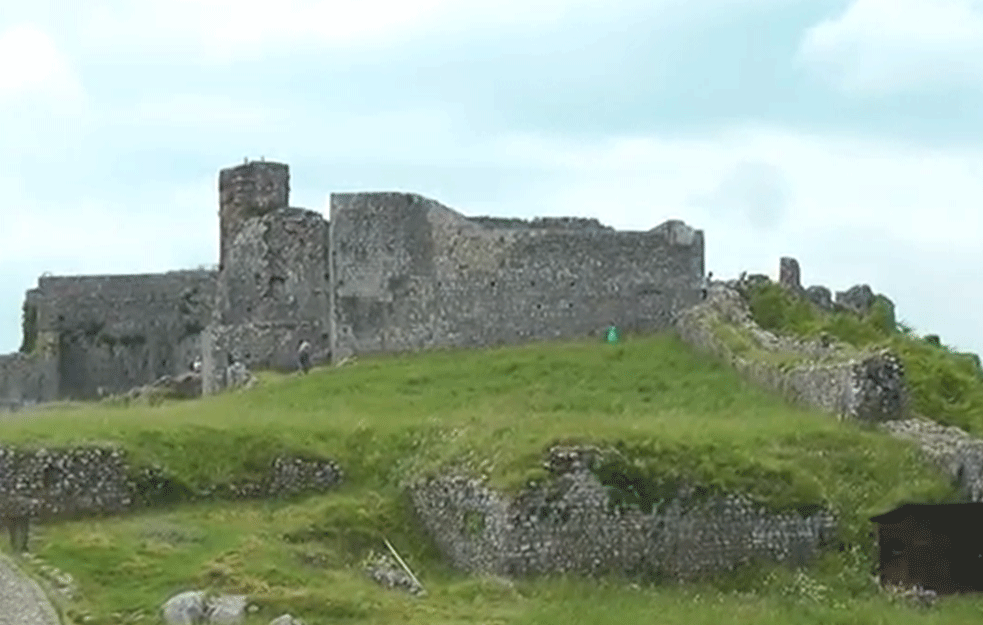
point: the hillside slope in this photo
(670, 413)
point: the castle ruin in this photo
(387, 272)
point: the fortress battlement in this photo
(384, 272)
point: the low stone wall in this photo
(62, 482)
(866, 386)
(949, 448)
(570, 525)
(65, 482)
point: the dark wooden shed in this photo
(936, 546)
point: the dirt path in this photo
(22, 602)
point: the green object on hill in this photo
(612, 335)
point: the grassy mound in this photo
(946, 386)
(672, 413)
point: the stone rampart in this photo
(120, 331)
(408, 273)
(866, 386)
(569, 525)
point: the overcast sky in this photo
(848, 133)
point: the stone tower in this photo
(249, 190)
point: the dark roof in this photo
(930, 511)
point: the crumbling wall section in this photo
(949, 448)
(27, 379)
(246, 191)
(866, 386)
(52, 483)
(570, 526)
(408, 273)
(62, 482)
(116, 332)
(271, 294)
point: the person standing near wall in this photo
(705, 287)
(304, 356)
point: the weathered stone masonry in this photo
(389, 272)
(569, 525)
(67, 482)
(409, 273)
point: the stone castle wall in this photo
(570, 526)
(117, 332)
(390, 272)
(408, 273)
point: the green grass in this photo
(304, 558)
(946, 386)
(670, 412)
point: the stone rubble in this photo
(384, 570)
(197, 607)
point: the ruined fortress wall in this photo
(121, 331)
(275, 270)
(272, 293)
(569, 526)
(865, 386)
(408, 273)
(246, 191)
(27, 379)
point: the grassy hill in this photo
(672, 413)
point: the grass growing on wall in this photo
(946, 386)
(670, 412)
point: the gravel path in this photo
(22, 602)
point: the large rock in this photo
(183, 386)
(286, 619)
(859, 299)
(195, 607)
(187, 608)
(226, 609)
(821, 297)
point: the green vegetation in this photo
(668, 413)
(946, 386)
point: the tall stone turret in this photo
(249, 190)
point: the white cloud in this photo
(221, 30)
(31, 64)
(880, 47)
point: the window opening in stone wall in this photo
(532, 283)
(493, 284)
(573, 283)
